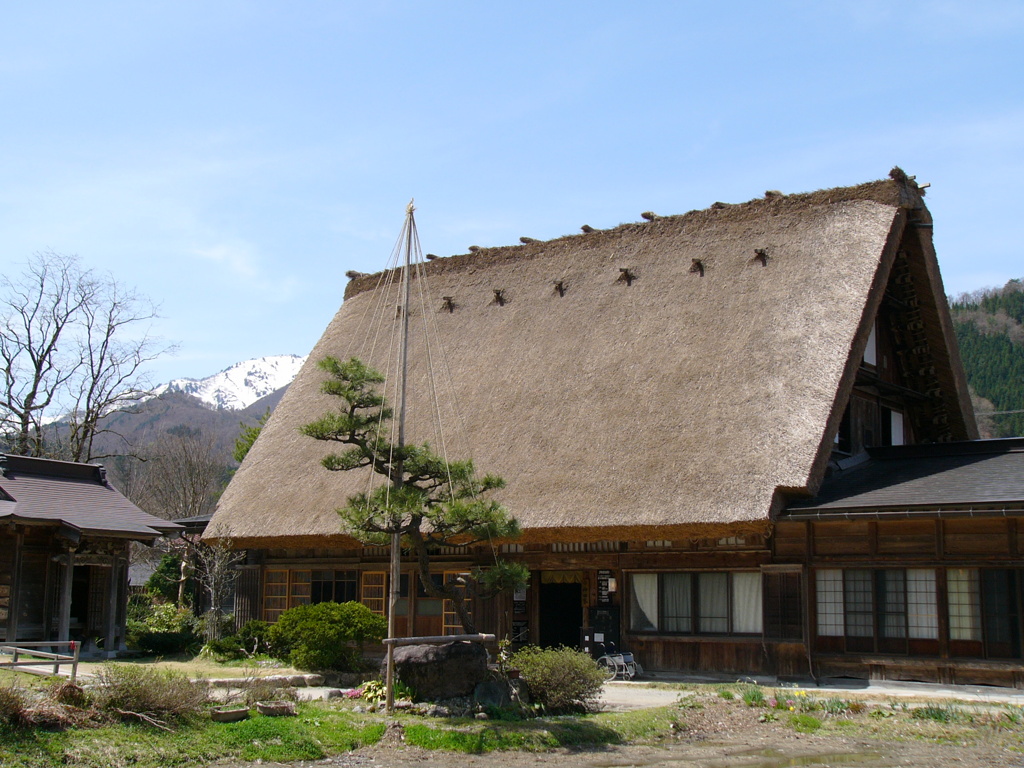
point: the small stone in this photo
(482, 716)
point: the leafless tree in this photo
(73, 347)
(183, 474)
(215, 570)
(176, 476)
(38, 313)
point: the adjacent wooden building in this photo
(672, 404)
(64, 539)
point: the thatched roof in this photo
(683, 401)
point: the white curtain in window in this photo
(746, 602)
(676, 602)
(643, 608)
(713, 596)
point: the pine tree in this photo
(429, 501)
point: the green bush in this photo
(226, 649)
(325, 635)
(166, 629)
(163, 582)
(254, 637)
(166, 643)
(250, 640)
(133, 688)
(559, 679)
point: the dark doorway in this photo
(561, 614)
(79, 602)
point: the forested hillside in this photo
(990, 328)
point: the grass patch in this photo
(478, 740)
(804, 723)
(314, 734)
(939, 713)
(201, 666)
(603, 729)
(754, 697)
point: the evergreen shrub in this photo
(560, 679)
(325, 636)
(167, 629)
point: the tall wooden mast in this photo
(396, 536)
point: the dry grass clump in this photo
(14, 701)
(22, 708)
(258, 689)
(133, 691)
(70, 694)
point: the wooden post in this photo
(15, 604)
(75, 648)
(110, 615)
(64, 606)
(396, 537)
(393, 586)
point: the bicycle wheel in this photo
(608, 667)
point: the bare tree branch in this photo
(73, 347)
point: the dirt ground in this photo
(725, 734)
(738, 751)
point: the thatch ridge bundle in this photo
(774, 203)
(679, 402)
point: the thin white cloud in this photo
(240, 261)
(237, 257)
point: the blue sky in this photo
(233, 159)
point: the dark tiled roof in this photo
(979, 473)
(194, 524)
(77, 495)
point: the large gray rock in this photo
(439, 672)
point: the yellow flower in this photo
(792, 709)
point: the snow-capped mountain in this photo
(240, 385)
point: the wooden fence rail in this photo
(435, 639)
(39, 658)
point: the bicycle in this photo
(617, 665)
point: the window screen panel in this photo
(922, 605)
(859, 603)
(964, 604)
(829, 583)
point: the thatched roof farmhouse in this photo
(655, 395)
